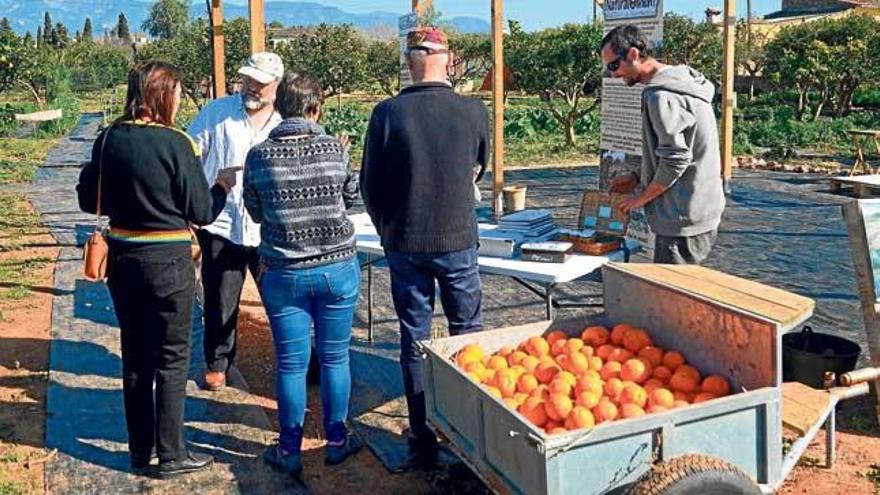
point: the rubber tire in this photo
(694, 474)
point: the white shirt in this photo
(225, 135)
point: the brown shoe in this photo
(215, 380)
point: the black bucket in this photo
(807, 355)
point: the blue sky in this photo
(535, 14)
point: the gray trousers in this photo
(691, 250)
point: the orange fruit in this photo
(654, 355)
(682, 396)
(555, 336)
(605, 410)
(613, 388)
(527, 383)
(604, 351)
(533, 410)
(529, 363)
(635, 370)
(560, 386)
(588, 351)
(516, 358)
(634, 394)
(596, 363)
(505, 382)
(682, 382)
(661, 373)
(558, 406)
(657, 409)
(505, 351)
(546, 370)
(595, 336)
(636, 340)
(588, 399)
(620, 355)
(520, 397)
(559, 430)
(551, 426)
(618, 332)
(517, 370)
(579, 417)
(589, 375)
(475, 367)
(567, 376)
(540, 392)
(661, 397)
(489, 376)
(595, 387)
(475, 377)
(469, 354)
(652, 384)
(557, 347)
(690, 371)
(510, 402)
(680, 403)
(703, 397)
(493, 391)
(576, 362)
(673, 360)
(537, 346)
(631, 411)
(497, 363)
(716, 385)
(573, 346)
(610, 370)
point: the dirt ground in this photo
(24, 355)
(24, 362)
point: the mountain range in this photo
(26, 15)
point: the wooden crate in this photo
(723, 325)
(599, 212)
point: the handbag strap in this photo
(100, 180)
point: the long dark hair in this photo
(150, 95)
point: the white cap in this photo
(263, 67)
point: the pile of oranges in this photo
(561, 384)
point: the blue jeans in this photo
(412, 289)
(295, 299)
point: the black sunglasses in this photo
(429, 51)
(615, 64)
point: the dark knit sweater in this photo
(297, 186)
(417, 174)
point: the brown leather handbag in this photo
(95, 251)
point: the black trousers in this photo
(152, 287)
(223, 271)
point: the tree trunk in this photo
(570, 137)
(33, 91)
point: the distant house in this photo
(140, 39)
(280, 36)
(800, 11)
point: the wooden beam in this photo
(729, 71)
(421, 6)
(497, 105)
(219, 53)
(257, 13)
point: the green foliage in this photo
(349, 118)
(472, 57)
(188, 50)
(561, 65)
(10, 59)
(336, 55)
(383, 65)
(868, 98)
(167, 18)
(87, 31)
(237, 45)
(94, 66)
(122, 31)
(698, 45)
(60, 96)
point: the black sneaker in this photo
(191, 463)
(338, 453)
(423, 450)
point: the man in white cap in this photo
(225, 130)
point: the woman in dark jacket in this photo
(152, 188)
(297, 185)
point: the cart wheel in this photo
(695, 475)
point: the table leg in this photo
(370, 299)
(860, 156)
(829, 440)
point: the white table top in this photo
(577, 265)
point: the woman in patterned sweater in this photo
(297, 186)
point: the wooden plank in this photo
(727, 90)
(257, 13)
(744, 299)
(43, 116)
(218, 49)
(868, 180)
(497, 106)
(802, 406)
(860, 246)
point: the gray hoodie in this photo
(681, 151)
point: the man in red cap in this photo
(417, 183)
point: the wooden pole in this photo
(219, 54)
(727, 93)
(498, 106)
(257, 13)
(421, 6)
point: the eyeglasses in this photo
(615, 64)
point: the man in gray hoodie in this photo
(682, 192)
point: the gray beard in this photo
(254, 103)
